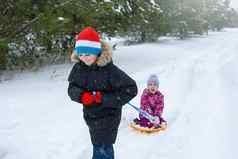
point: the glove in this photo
(156, 120)
(87, 98)
(98, 97)
(149, 110)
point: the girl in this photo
(152, 101)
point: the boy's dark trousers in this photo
(103, 152)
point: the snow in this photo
(60, 18)
(234, 4)
(199, 78)
(107, 1)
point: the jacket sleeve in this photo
(144, 101)
(160, 106)
(123, 89)
(74, 91)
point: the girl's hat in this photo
(153, 79)
(88, 42)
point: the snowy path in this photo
(196, 88)
(199, 78)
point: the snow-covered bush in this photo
(35, 50)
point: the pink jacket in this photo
(152, 103)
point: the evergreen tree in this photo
(46, 29)
(143, 17)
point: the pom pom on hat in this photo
(88, 42)
(153, 79)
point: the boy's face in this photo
(152, 87)
(88, 59)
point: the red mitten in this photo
(87, 98)
(98, 97)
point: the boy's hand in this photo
(87, 98)
(98, 97)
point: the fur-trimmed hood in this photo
(104, 58)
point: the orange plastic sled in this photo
(147, 130)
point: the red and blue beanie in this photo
(88, 42)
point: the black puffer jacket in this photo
(117, 87)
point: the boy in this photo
(102, 88)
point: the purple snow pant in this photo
(143, 122)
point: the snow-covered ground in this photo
(199, 78)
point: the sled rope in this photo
(151, 118)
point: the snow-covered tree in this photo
(54, 23)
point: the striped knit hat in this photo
(153, 79)
(88, 42)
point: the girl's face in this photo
(152, 87)
(88, 59)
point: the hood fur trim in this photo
(104, 58)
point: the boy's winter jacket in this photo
(117, 89)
